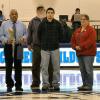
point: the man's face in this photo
(41, 13)
(14, 15)
(50, 14)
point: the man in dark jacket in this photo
(33, 43)
(50, 34)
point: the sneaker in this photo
(33, 86)
(56, 89)
(9, 89)
(50, 87)
(19, 89)
(87, 88)
(45, 88)
(81, 87)
(84, 88)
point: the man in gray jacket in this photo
(33, 44)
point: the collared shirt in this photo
(6, 26)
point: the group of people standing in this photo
(42, 38)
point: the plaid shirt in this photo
(50, 34)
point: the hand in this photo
(10, 41)
(23, 40)
(78, 48)
(29, 48)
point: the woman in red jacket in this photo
(84, 42)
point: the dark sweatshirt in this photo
(50, 34)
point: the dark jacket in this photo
(67, 32)
(32, 31)
(50, 34)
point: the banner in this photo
(67, 57)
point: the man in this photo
(49, 34)
(33, 43)
(13, 35)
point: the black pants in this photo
(9, 60)
(36, 67)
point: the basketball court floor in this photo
(62, 95)
(70, 80)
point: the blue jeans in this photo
(45, 58)
(86, 68)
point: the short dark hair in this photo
(50, 9)
(86, 16)
(40, 8)
(0, 12)
(77, 9)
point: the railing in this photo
(95, 23)
(97, 28)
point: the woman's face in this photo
(84, 21)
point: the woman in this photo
(84, 42)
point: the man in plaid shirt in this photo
(50, 34)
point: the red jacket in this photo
(86, 40)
